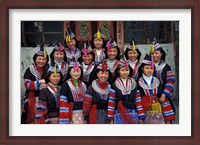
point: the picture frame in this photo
(5, 81)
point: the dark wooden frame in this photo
(103, 4)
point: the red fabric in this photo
(93, 114)
(71, 105)
(146, 103)
(40, 70)
(102, 85)
(31, 107)
(87, 105)
(127, 118)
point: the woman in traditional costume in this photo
(88, 66)
(49, 98)
(167, 79)
(58, 56)
(72, 52)
(128, 101)
(33, 82)
(99, 101)
(132, 54)
(72, 94)
(150, 91)
(112, 58)
(98, 45)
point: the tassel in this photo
(85, 50)
(98, 34)
(156, 108)
(133, 46)
(152, 48)
(126, 64)
(67, 38)
(108, 46)
(45, 53)
(76, 66)
(54, 70)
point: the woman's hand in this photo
(162, 98)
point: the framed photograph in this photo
(186, 13)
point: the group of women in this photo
(97, 85)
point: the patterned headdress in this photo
(75, 64)
(86, 49)
(132, 46)
(155, 46)
(111, 43)
(148, 60)
(59, 46)
(69, 35)
(98, 35)
(41, 51)
(123, 63)
(103, 66)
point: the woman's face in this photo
(40, 61)
(87, 59)
(124, 72)
(148, 70)
(157, 56)
(98, 43)
(103, 76)
(112, 54)
(75, 73)
(72, 44)
(132, 55)
(54, 78)
(58, 56)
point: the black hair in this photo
(48, 75)
(118, 53)
(140, 70)
(36, 55)
(92, 43)
(65, 43)
(127, 50)
(91, 52)
(52, 57)
(130, 74)
(69, 76)
(162, 52)
(98, 70)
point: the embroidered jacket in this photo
(99, 58)
(129, 95)
(48, 105)
(71, 98)
(103, 98)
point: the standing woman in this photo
(150, 91)
(112, 58)
(167, 79)
(48, 104)
(72, 93)
(98, 45)
(133, 54)
(58, 57)
(72, 52)
(128, 101)
(33, 82)
(99, 101)
(88, 65)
